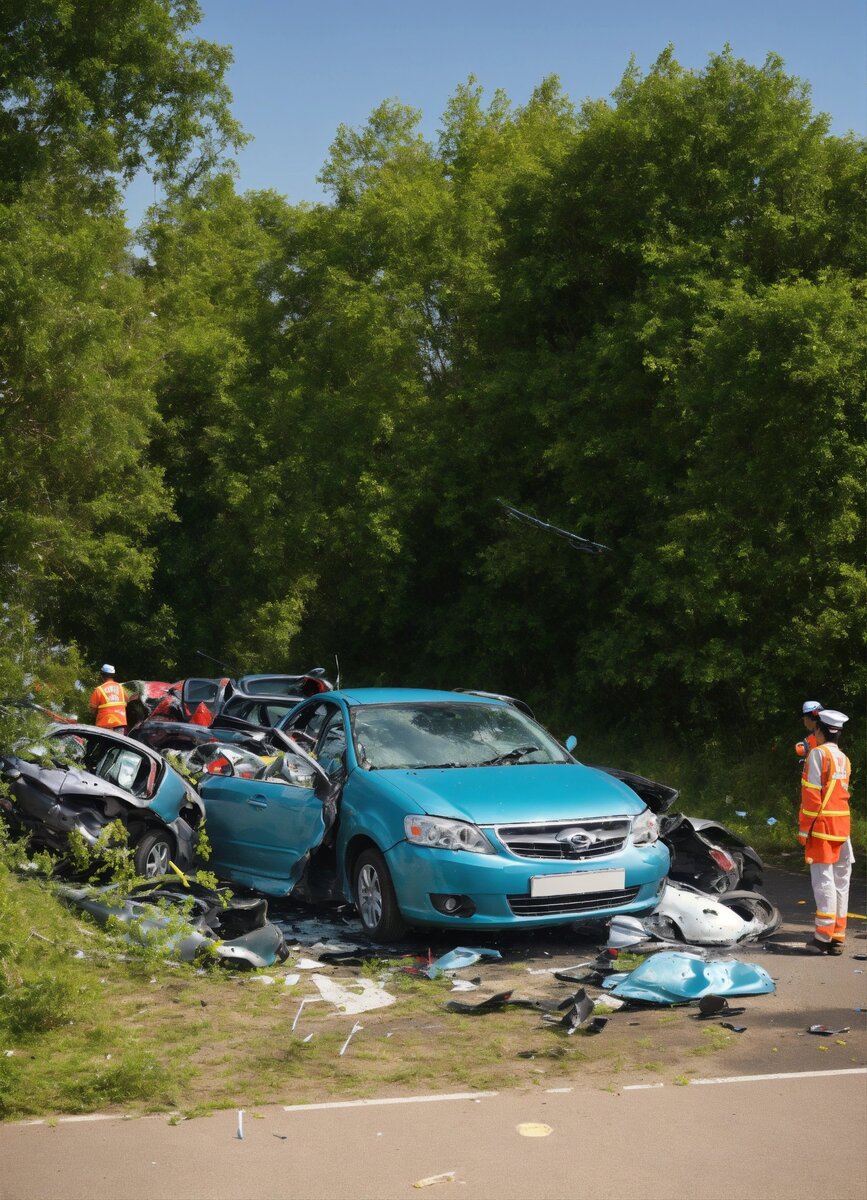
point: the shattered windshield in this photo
(401, 736)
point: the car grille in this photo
(543, 906)
(540, 841)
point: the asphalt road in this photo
(782, 1114)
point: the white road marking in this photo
(557, 1091)
(782, 1075)
(83, 1117)
(641, 1087)
(388, 1100)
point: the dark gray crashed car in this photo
(81, 777)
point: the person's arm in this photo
(811, 793)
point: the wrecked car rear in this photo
(81, 778)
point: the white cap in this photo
(106, 669)
(832, 718)
(811, 706)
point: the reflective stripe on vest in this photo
(823, 830)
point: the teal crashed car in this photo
(436, 808)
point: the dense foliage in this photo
(280, 432)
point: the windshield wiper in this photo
(510, 756)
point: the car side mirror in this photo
(571, 742)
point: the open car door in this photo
(262, 831)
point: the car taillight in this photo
(722, 859)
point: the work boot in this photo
(835, 948)
(822, 947)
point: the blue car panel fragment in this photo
(454, 810)
(673, 978)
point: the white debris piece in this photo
(267, 980)
(307, 964)
(357, 996)
(291, 980)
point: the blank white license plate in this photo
(578, 883)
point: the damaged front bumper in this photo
(495, 892)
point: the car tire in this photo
(375, 900)
(152, 854)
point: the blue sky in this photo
(302, 68)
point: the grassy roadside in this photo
(90, 1029)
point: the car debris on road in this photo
(193, 919)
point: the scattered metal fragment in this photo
(688, 915)
(192, 918)
(596, 1025)
(430, 1180)
(714, 1006)
(733, 1028)
(361, 995)
(306, 1000)
(671, 978)
(240, 1133)
(458, 959)
(579, 1009)
(356, 1028)
(491, 1004)
(825, 1031)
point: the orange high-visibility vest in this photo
(824, 819)
(109, 700)
(803, 748)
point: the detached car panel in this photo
(81, 778)
(452, 809)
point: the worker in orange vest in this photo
(108, 702)
(824, 824)
(809, 714)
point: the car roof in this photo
(356, 697)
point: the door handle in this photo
(258, 802)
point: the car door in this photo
(261, 830)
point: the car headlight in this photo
(440, 833)
(645, 828)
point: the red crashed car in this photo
(197, 701)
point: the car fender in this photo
(372, 809)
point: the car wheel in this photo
(153, 854)
(374, 897)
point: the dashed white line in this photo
(781, 1075)
(642, 1087)
(389, 1100)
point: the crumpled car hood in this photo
(506, 794)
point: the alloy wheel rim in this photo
(157, 861)
(369, 896)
